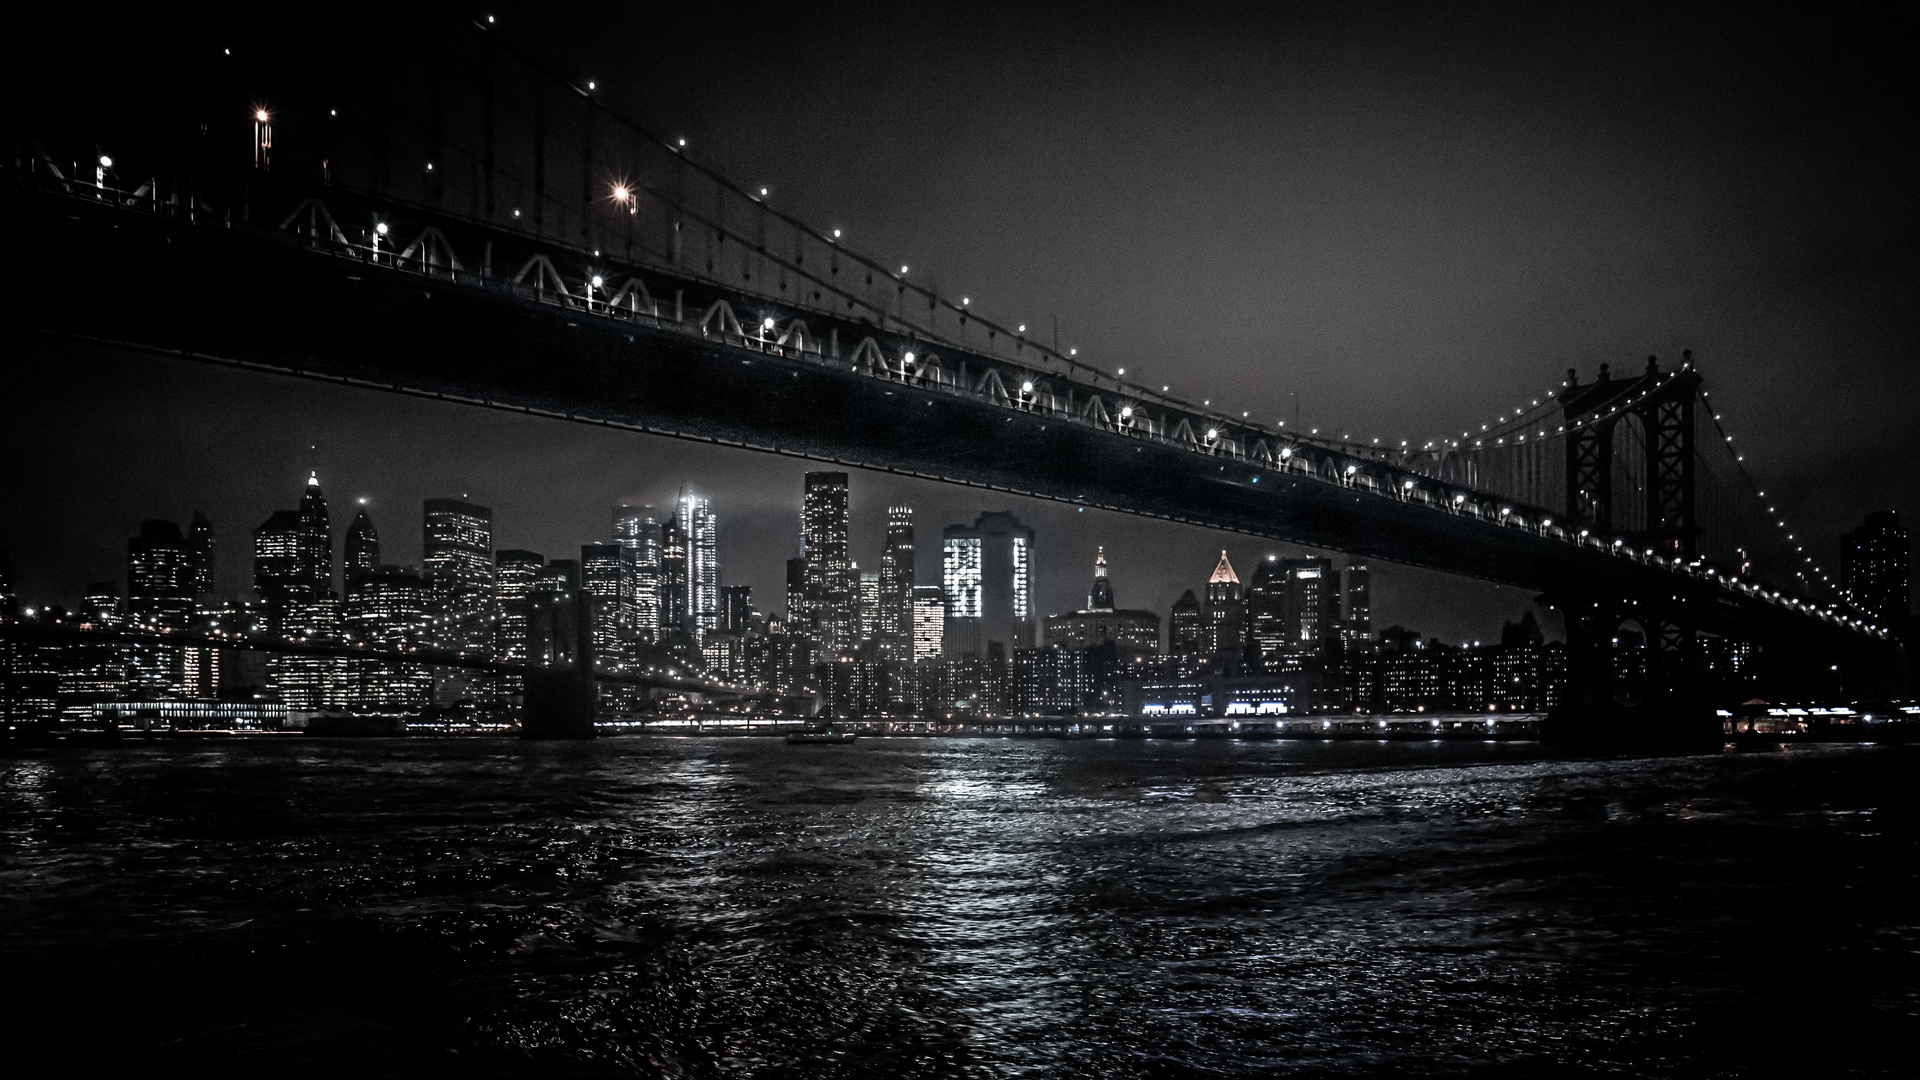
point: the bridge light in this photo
(260, 115)
(590, 84)
(903, 268)
(1212, 434)
(380, 228)
(1073, 352)
(106, 162)
(621, 193)
(1122, 371)
(596, 281)
(908, 358)
(1026, 388)
(1126, 413)
(1286, 452)
(1023, 326)
(683, 145)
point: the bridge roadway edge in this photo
(239, 298)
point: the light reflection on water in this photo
(921, 907)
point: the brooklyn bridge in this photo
(482, 229)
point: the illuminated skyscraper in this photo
(736, 608)
(1225, 619)
(1185, 634)
(866, 605)
(293, 556)
(796, 593)
(516, 575)
(458, 549)
(929, 622)
(896, 586)
(159, 597)
(987, 573)
(829, 588)
(1357, 623)
(674, 597)
(602, 568)
(703, 564)
(637, 528)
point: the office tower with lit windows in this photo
(200, 554)
(1225, 618)
(387, 608)
(674, 599)
(987, 573)
(736, 608)
(866, 605)
(159, 598)
(703, 564)
(516, 575)
(896, 586)
(602, 569)
(1876, 564)
(929, 622)
(457, 545)
(1266, 606)
(796, 593)
(360, 552)
(828, 592)
(293, 556)
(638, 529)
(1357, 619)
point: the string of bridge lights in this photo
(1517, 426)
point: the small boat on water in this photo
(822, 737)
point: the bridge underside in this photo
(245, 298)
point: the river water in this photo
(956, 907)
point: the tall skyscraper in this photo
(1225, 622)
(458, 550)
(796, 593)
(675, 601)
(360, 553)
(516, 576)
(896, 586)
(1876, 565)
(200, 553)
(1266, 606)
(602, 567)
(1293, 607)
(1358, 595)
(929, 622)
(638, 529)
(159, 578)
(736, 608)
(703, 564)
(829, 591)
(293, 557)
(866, 606)
(987, 572)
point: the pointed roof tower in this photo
(1224, 572)
(1100, 597)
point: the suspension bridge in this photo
(482, 229)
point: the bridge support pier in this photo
(1634, 679)
(560, 697)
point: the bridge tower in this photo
(560, 696)
(1663, 405)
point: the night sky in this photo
(1402, 221)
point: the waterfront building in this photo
(1052, 680)
(1875, 571)
(1100, 622)
(987, 572)
(828, 588)
(929, 622)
